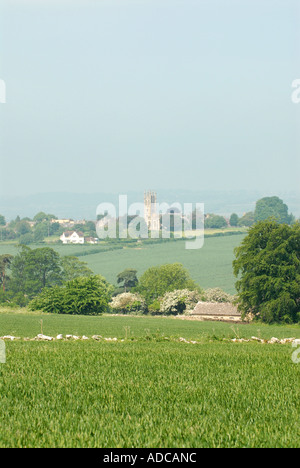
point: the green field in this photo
(210, 266)
(28, 324)
(150, 392)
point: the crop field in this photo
(148, 390)
(210, 266)
(24, 323)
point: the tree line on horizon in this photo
(266, 265)
(29, 231)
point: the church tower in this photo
(150, 214)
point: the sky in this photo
(126, 95)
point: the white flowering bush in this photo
(128, 302)
(179, 301)
(217, 295)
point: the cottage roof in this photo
(69, 233)
(216, 308)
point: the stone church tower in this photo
(150, 214)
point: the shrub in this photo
(217, 295)
(179, 301)
(128, 302)
(154, 307)
(9, 299)
(82, 296)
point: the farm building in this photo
(91, 240)
(216, 311)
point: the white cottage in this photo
(72, 237)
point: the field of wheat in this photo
(147, 388)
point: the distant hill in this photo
(83, 205)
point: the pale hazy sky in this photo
(116, 96)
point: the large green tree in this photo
(34, 269)
(127, 279)
(247, 219)
(73, 268)
(215, 222)
(267, 266)
(22, 228)
(2, 220)
(234, 219)
(158, 280)
(274, 207)
(5, 262)
(41, 216)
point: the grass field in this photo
(210, 266)
(149, 392)
(28, 324)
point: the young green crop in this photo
(134, 394)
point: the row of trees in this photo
(43, 225)
(266, 264)
(265, 208)
(267, 267)
(24, 276)
(166, 289)
(42, 271)
(28, 230)
(94, 295)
